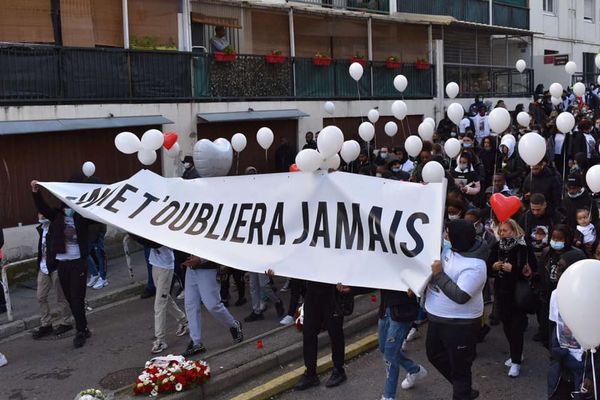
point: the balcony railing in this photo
(509, 15)
(489, 81)
(374, 6)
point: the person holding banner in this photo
(454, 303)
(68, 247)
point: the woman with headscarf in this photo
(511, 164)
(405, 162)
(454, 303)
(510, 261)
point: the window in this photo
(549, 6)
(588, 10)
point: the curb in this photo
(239, 375)
(324, 364)
(28, 323)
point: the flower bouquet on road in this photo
(171, 374)
(91, 394)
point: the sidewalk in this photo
(120, 285)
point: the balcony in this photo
(509, 13)
(46, 75)
(489, 81)
(373, 6)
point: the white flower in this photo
(165, 380)
(179, 387)
(154, 392)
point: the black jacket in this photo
(50, 265)
(548, 183)
(572, 205)
(402, 307)
(530, 224)
(505, 282)
(55, 242)
(190, 173)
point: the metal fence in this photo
(489, 81)
(374, 6)
(464, 10)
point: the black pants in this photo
(72, 276)
(514, 322)
(238, 279)
(297, 289)
(451, 350)
(319, 310)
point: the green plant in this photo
(229, 50)
(276, 52)
(393, 59)
(358, 55)
(150, 43)
(422, 61)
(320, 55)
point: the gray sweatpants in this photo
(259, 285)
(201, 287)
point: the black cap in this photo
(188, 159)
(575, 180)
(462, 235)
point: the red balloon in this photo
(294, 168)
(504, 207)
(170, 139)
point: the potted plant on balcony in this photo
(359, 58)
(422, 64)
(321, 60)
(393, 62)
(227, 55)
(275, 57)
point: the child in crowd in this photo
(586, 229)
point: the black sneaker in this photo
(337, 377)
(148, 293)
(240, 302)
(254, 317)
(483, 331)
(236, 332)
(193, 349)
(279, 308)
(41, 332)
(307, 381)
(62, 329)
(80, 338)
(474, 394)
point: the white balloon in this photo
(373, 116)
(329, 107)
(426, 131)
(330, 141)
(350, 151)
(356, 71)
(88, 168)
(499, 119)
(456, 112)
(532, 148)
(264, 137)
(452, 147)
(565, 122)
(452, 89)
(592, 177)
(523, 119)
(239, 142)
(433, 172)
(212, 158)
(174, 151)
(332, 162)
(152, 139)
(570, 67)
(400, 83)
(309, 160)
(597, 61)
(555, 100)
(578, 297)
(430, 121)
(598, 80)
(579, 89)
(390, 128)
(399, 109)
(508, 138)
(520, 65)
(147, 157)
(413, 145)
(556, 89)
(366, 131)
(127, 143)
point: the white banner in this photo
(337, 227)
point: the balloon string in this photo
(237, 165)
(407, 124)
(266, 156)
(564, 167)
(593, 351)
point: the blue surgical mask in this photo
(69, 212)
(557, 245)
(383, 155)
(467, 145)
(43, 221)
(396, 169)
(446, 245)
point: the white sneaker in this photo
(158, 347)
(404, 345)
(412, 334)
(508, 363)
(92, 281)
(3, 360)
(287, 320)
(514, 371)
(100, 283)
(181, 295)
(386, 398)
(182, 329)
(411, 379)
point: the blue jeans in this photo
(97, 245)
(391, 336)
(150, 283)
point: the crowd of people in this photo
(512, 265)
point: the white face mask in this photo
(69, 212)
(463, 167)
(453, 217)
(187, 165)
(576, 195)
(43, 221)
(378, 175)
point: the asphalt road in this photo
(366, 374)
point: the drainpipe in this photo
(292, 49)
(491, 10)
(125, 24)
